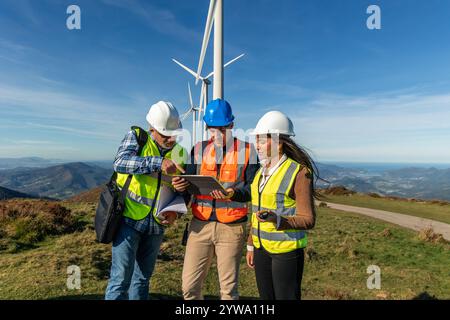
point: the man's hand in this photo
(217, 194)
(169, 217)
(180, 184)
(170, 167)
(271, 217)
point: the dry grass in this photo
(340, 249)
(23, 223)
(429, 235)
(337, 191)
(386, 233)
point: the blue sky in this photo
(354, 94)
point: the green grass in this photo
(423, 209)
(340, 249)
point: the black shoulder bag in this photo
(111, 204)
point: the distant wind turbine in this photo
(204, 93)
(194, 112)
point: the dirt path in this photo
(411, 222)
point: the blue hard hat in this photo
(218, 114)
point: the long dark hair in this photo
(298, 154)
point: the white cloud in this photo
(383, 127)
(59, 105)
(162, 20)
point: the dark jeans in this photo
(279, 276)
(133, 260)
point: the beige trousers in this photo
(206, 240)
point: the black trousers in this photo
(279, 276)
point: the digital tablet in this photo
(202, 184)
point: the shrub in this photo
(323, 205)
(339, 191)
(374, 195)
(429, 235)
(23, 223)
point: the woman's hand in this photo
(271, 217)
(217, 194)
(180, 184)
(249, 257)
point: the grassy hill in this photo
(432, 209)
(340, 249)
(6, 193)
(90, 196)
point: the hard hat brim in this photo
(257, 132)
(218, 123)
(169, 133)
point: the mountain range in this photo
(408, 182)
(10, 194)
(27, 162)
(58, 182)
(63, 181)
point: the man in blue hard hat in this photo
(219, 220)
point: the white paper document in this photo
(169, 200)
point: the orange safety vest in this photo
(231, 175)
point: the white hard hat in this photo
(274, 122)
(164, 118)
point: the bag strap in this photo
(142, 137)
(123, 192)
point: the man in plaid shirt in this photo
(136, 245)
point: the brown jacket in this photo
(306, 215)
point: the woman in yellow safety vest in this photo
(282, 196)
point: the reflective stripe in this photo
(139, 199)
(241, 148)
(221, 204)
(281, 212)
(284, 185)
(286, 211)
(280, 236)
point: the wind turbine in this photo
(194, 111)
(204, 93)
(215, 17)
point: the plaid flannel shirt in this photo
(129, 162)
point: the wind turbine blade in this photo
(209, 75)
(225, 65)
(190, 96)
(194, 133)
(206, 36)
(185, 68)
(231, 61)
(200, 108)
(185, 115)
(205, 134)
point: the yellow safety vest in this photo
(275, 197)
(144, 188)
